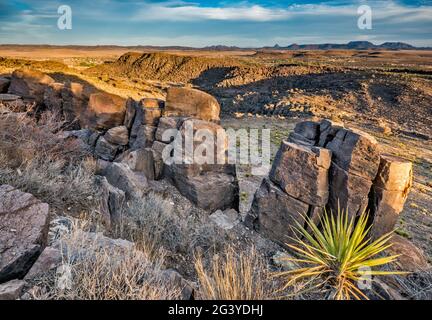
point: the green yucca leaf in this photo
(335, 250)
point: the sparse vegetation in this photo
(336, 255)
(233, 275)
(94, 272)
(36, 160)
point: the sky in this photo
(198, 23)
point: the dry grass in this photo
(35, 159)
(154, 224)
(234, 276)
(94, 269)
(416, 286)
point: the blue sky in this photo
(200, 23)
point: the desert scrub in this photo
(234, 275)
(35, 159)
(332, 258)
(154, 224)
(97, 268)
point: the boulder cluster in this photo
(323, 166)
(127, 136)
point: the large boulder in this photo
(411, 258)
(275, 213)
(302, 172)
(30, 84)
(141, 160)
(104, 111)
(74, 102)
(147, 114)
(24, 223)
(11, 290)
(348, 192)
(106, 150)
(389, 193)
(119, 175)
(355, 152)
(211, 191)
(186, 102)
(117, 135)
(167, 123)
(112, 203)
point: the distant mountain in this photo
(353, 45)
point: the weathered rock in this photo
(112, 203)
(75, 102)
(157, 149)
(347, 191)
(211, 191)
(106, 150)
(144, 137)
(274, 213)
(141, 160)
(308, 129)
(11, 290)
(299, 139)
(24, 222)
(355, 152)
(117, 135)
(302, 172)
(130, 113)
(227, 219)
(151, 111)
(328, 130)
(174, 278)
(49, 260)
(147, 115)
(385, 207)
(394, 174)
(187, 102)
(104, 111)
(4, 84)
(53, 97)
(122, 177)
(411, 259)
(29, 84)
(201, 147)
(167, 123)
(389, 193)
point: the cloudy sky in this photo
(199, 23)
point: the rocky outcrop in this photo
(104, 111)
(146, 117)
(186, 102)
(302, 172)
(113, 201)
(325, 165)
(11, 290)
(117, 135)
(29, 84)
(119, 175)
(389, 193)
(24, 222)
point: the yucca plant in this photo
(335, 254)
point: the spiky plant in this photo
(336, 255)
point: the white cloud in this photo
(184, 11)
